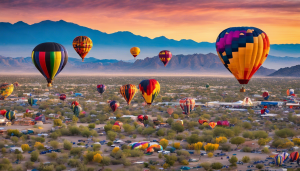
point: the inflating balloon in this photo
(128, 91)
(243, 50)
(165, 56)
(50, 59)
(82, 45)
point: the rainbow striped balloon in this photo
(50, 59)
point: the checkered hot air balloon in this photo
(165, 56)
(242, 50)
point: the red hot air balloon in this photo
(170, 111)
(114, 105)
(63, 97)
(140, 118)
(294, 156)
(165, 56)
(75, 103)
(2, 112)
(202, 121)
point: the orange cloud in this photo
(177, 19)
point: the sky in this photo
(199, 20)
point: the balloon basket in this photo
(242, 90)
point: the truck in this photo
(29, 131)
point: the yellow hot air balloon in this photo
(82, 45)
(6, 90)
(135, 51)
(243, 50)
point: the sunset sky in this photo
(199, 20)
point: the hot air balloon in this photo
(101, 88)
(10, 115)
(74, 104)
(278, 160)
(149, 89)
(225, 123)
(294, 156)
(140, 118)
(6, 90)
(135, 51)
(82, 45)
(31, 101)
(153, 148)
(145, 117)
(266, 95)
(3, 112)
(170, 111)
(63, 97)
(207, 85)
(290, 92)
(50, 59)
(212, 124)
(242, 50)
(114, 105)
(40, 118)
(247, 102)
(165, 56)
(128, 91)
(285, 156)
(180, 121)
(120, 124)
(187, 105)
(77, 110)
(202, 121)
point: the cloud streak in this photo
(177, 19)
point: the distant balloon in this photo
(149, 89)
(242, 50)
(10, 115)
(120, 124)
(50, 59)
(187, 105)
(207, 85)
(63, 97)
(170, 111)
(202, 121)
(31, 101)
(114, 105)
(165, 56)
(290, 92)
(6, 90)
(128, 91)
(77, 110)
(101, 88)
(266, 95)
(135, 51)
(294, 156)
(212, 125)
(74, 104)
(82, 45)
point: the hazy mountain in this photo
(20, 38)
(293, 71)
(280, 62)
(195, 63)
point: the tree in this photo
(39, 145)
(75, 119)
(247, 125)
(108, 127)
(57, 122)
(221, 140)
(210, 154)
(160, 132)
(164, 143)
(178, 127)
(115, 150)
(92, 126)
(67, 145)
(205, 165)
(216, 165)
(54, 144)
(14, 139)
(170, 121)
(128, 128)
(194, 138)
(96, 147)
(176, 145)
(111, 135)
(233, 160)
(286, 132)
(25, 147)
(86, 133)
(34, 156)
(246, 159)
(105, 161)
(259, 166)
(97, 158)
(237, 141)
(211, 147)
(198, 146)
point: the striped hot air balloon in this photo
(10, 115)
(32, 101)
(294, 156)
(285, 156)
(243, 50)
(128, 91)
(50, 59)
(114, 105)
(82, 45)
(149, 89)
(187, 105)
(278, 160)
(77, 110)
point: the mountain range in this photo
(195, 63)
(20, 38)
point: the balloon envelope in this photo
(6, 90)
(187, 105)
(128, 91)
(165, 56)
(149, 89)
(242, 50)
(50, 59)
(135, 51)
(101, 88)
(114, 105)
(63, 97)
(170, 111)
(212, 124)
(10, 115)
(266, 95)
(82, 45)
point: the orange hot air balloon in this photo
(135, 51)
(170, 111)
(82, 45)
(212, 124)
